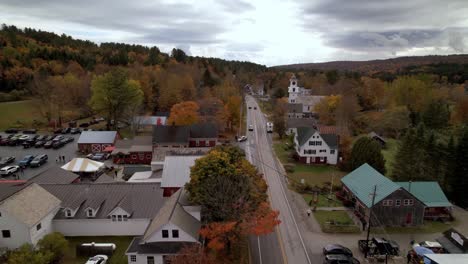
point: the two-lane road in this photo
(286, 245)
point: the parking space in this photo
(69, 151)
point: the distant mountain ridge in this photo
(385, 65)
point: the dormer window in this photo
(90, 212)
(68, 213)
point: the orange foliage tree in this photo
(185, 113)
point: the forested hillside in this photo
(58, 71)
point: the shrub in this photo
(289, 168)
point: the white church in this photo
(301, 102)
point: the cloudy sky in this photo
(270, 32)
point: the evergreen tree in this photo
(367, 150)
(459, 182)
(450, 161)
(403, 164)
(436, 115)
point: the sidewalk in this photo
(331, 208)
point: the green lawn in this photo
(323, 200)
(119, 254)
(314, 175)
(343, 223)
(429, 227)
(18, 114)
(389, 154)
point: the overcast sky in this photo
(269, 32)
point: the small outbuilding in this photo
(96, 141)
(377, 138)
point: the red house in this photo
(199, 135)
(133, 151)
(96, 141)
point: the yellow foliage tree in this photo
(185, 113)
(326, 109)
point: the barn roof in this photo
(102, 137)
(361, 183)
(429, 193)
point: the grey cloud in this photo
(456, 41)
(235, 6)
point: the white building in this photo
(315, 147)
(301, 96)
(26, 213)
(175, 226)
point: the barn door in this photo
(409, 218)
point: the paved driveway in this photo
(69, 151)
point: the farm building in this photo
(133, 151)
(96, 141)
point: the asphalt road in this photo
(69, 151)
(286, 244)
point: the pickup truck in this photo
(379, 246)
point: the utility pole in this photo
(331, 188)
(369, 221)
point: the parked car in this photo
(98, 259)
(39, 144)
(30, 131)
(14, 141)
(58, 138)
(58, 131)
(39, 160)
(98, 156)
(40, 137)
(75, 130)
(435, 246)
(379, 246)
(5, 171)
(6, 160)
(4, 142)
(66, 130)
(337, 249)
(48, 144)
(84, 124)
(250, 107)
(57, 144)
(28, 143)
(100, 119)
(49, 137)
(23, 138)
(11, 131)
(64, 141)
(69, 139)
(26, 160)
(339, 259)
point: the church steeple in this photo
(293, 89)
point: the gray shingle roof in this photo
(104, 178)
(8, 188)
(205, 130)
(173, 212)
(30, 205)
(129, 170)
(136, 247)
(181, 134)
(304, 133)
(294, 108)
(332, 140)
(176, 170)
(145, 198)
(300, 122)
(103, 137)
(54, 175)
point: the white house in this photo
(26, 213)
(175, 226)
(300, 99)
(315, 147)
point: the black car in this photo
(57, 144)
(58, 131)
(84, 125)
(28, 143)
(49, 137)
(14, 142)
(40, 137)
(69, 139)
(4, 142)
(11, 131)
(30, 131)
(39, 160)
(64, 141)
(6, 160)
(336, 249)
(339, 259)
(39, 144)
(48, 144)
(75, 130)
(66, 130)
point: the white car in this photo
(24, 137)
(242, 138)
(250, 128)
(9, 170)
(98, 259)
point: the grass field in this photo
(389, 154)
(19, 114)
(343, 223)
(323, 200)
(312, 174)
(118, 257)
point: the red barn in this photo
(133, 151)
(199, 135)
(96, 141)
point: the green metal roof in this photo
(429, 193)
(362, 180)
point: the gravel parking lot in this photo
(69, 151)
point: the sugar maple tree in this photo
(185, 113)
